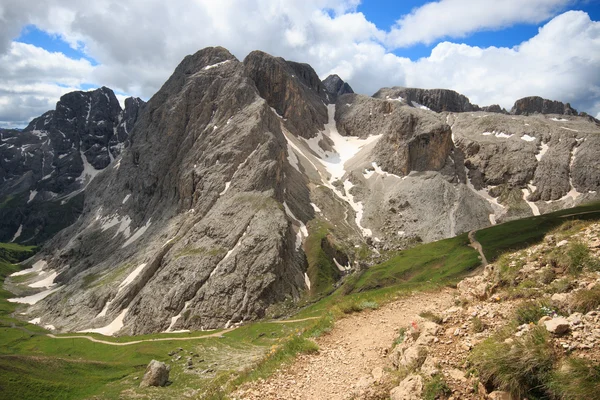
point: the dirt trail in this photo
(477, 246)
(212, 335)
(350, 355)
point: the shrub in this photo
(435, 387)
(532, 311)
(586, 300)
(433, 317)
(477, 325)
(400, 338)
(560, 286)
(521, 368)
(578, 379)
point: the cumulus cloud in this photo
(457, 18)
(138, 43)
(561, 62)
(32, 79)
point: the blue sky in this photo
(493, 52)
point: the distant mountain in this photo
(46, 166)
(247, 184)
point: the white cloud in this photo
(457, 18)
(138, 44)
(33, 79)
(561, 62)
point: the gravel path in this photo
(351, 357)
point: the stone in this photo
(157, 374)
(560, 298)
(499, 395)
(544, 319)
(457, 375)
(377, 374)
(430, 366)
(562, 243)
(409, 389)
(557, 326)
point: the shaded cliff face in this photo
(292, 89)
(47, 165)
(535, 104)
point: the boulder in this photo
(557, 326)
(157, 374)
(474, 288)
(409, 389)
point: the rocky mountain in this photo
(46, 167)
(536, 104)
(243, 184)
(336, 87)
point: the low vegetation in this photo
(521, 367)
(435, 388)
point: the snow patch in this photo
(47, 282)
(421, 106)
(17, 233)
(531, 204)
(559, 119)
(302, 231)
(35, 321)
(314, 206)
(36, 267)
(175, 318)
(527, 138)
(227, 184)
(292, 159)
(498, 134)
(130, 278)
(126, 198)
(34, 298)
(110, 329)
(307, 281)
(32, 195)
(88, 173)
(543, 151)
(215, 65)
(569, 129)
(138, 233)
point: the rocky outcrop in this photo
(157, 374)
(535, 104)
(46, 165)
(494, 108)
(292, 89)
(335, 87)
(437, 100)
(413, 140)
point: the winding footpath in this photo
(212, 335)
(477, 246)
(351, 358)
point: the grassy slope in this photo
(35, 366)
(524, 232)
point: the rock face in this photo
(157, 374)
(335, 87)
(535, 104)
(197, 212)
(437, 100)
(413, 140)
(410, 388)
(292, 89)
(44, 167)
(239, 187)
